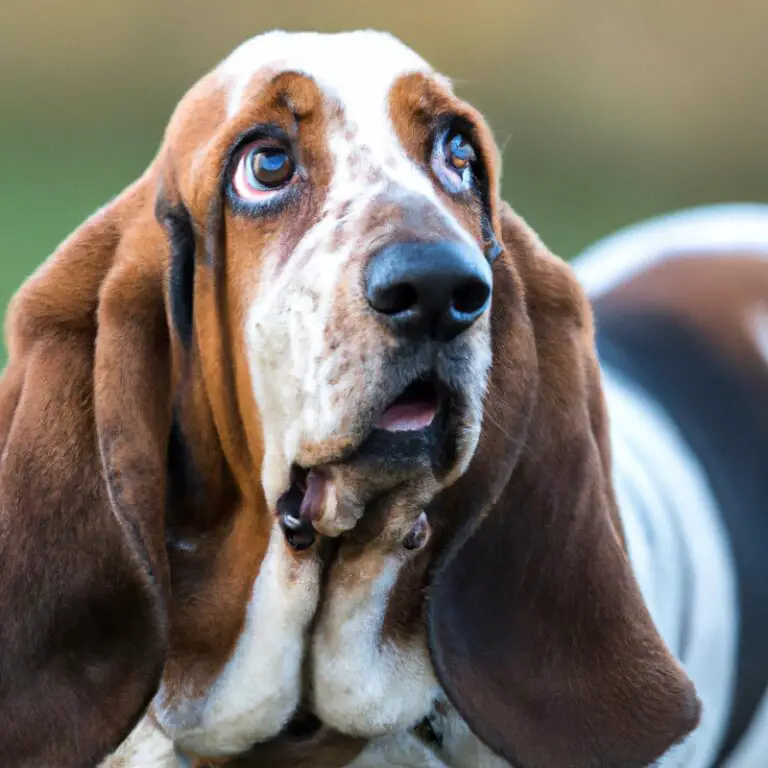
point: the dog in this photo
(308, 457)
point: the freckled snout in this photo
(428, 289)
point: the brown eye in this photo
(268, 168)
(459, 153)
(263, 171)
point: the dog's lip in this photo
(419, 425)
(302, 503)
(449, 402)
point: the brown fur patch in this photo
(711, 292)
(82, 493)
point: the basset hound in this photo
(311, 455)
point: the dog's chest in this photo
(261, 685)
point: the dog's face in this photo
(357, 237)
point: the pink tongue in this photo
(408, 417)
(313, 503)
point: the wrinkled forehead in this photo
(353, 77)
(355, 69)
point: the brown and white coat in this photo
(214, 544)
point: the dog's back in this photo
(681, 307)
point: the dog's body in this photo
(311, 430)
(680, 305)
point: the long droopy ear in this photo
(538, 631)
(84, 423)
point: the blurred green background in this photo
(608, 110)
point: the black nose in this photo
(436, 289)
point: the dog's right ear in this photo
(85, 416)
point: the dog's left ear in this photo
(538, 631)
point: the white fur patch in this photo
(708, 231)
(361, 684)
(358, 68)
(260, 687)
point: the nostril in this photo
(471, 297)
(395, 299)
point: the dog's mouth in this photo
(414, 410)
(414, 436)
(414, 430)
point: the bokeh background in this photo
(609, 111)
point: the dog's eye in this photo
(459, 152)
(262, 171)
(453, 161)
(268, 168)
